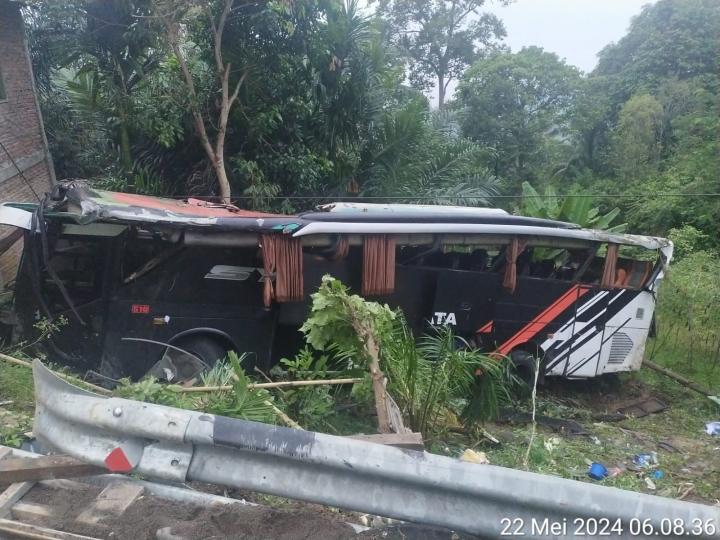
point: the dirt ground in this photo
(151, 518)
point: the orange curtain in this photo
(282, 255)
(609, 270)
(378, 275)
(341, 249)
(513, 251)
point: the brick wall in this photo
(20, 128)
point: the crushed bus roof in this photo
(81, 204)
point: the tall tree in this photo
(106, 49)
(638, 137)
(519, 104)
(173, 15)
(440, 37)
(670, 38)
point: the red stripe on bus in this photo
(531, 329)
(486, 328)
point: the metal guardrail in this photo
(179, 445)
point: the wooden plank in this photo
(35, 532)
(12, 495)
(71, 485)
(45, 467)
(410, 441)
(112, 501)
(23, 511)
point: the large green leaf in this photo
(576, 210)
(603, 222)
(533, 204)
(552, 202)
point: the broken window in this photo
(79, 265)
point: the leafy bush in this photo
(243, 402)
(329, 326)
(689, 305)
(311, 406)
(440, 375)
(688, 239)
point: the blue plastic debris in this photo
(645, 460)
(597, 471)
(657, 475)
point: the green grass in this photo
(16, 385)
(566, 456)
(615, 443)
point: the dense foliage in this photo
(323, 108)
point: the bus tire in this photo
(524, 365)
(207, 349)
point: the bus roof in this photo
(76, 202)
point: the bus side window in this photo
(632, 274)
(78, 264)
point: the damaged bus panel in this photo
(133, 281)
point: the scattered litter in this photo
(658, 474)
(643, 407)
(489, 436)
(712, 428)
(597, 471)
(645, 460)
(552, 443)
(8, 402)
(595, 440)
(650, 484)
(617, 470)
(472, 456)
(716, 399)
(686, 491)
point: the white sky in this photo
(575, 30)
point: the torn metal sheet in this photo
(97, 205)
(15, 217)
(77, 202)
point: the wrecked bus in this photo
(137, 278)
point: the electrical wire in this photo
(361, 198)
(20, 172)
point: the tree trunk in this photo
(441, 91)
(125, 153)
(378, 382)
(223, 182)
(372, 349)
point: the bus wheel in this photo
(524, 364)
(185, 359)
(205, 348)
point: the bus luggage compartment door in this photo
(465, 300)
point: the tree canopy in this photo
(329, 100)
(441, 38)
(519, 104)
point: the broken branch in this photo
(281, 384)
(679, 378)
